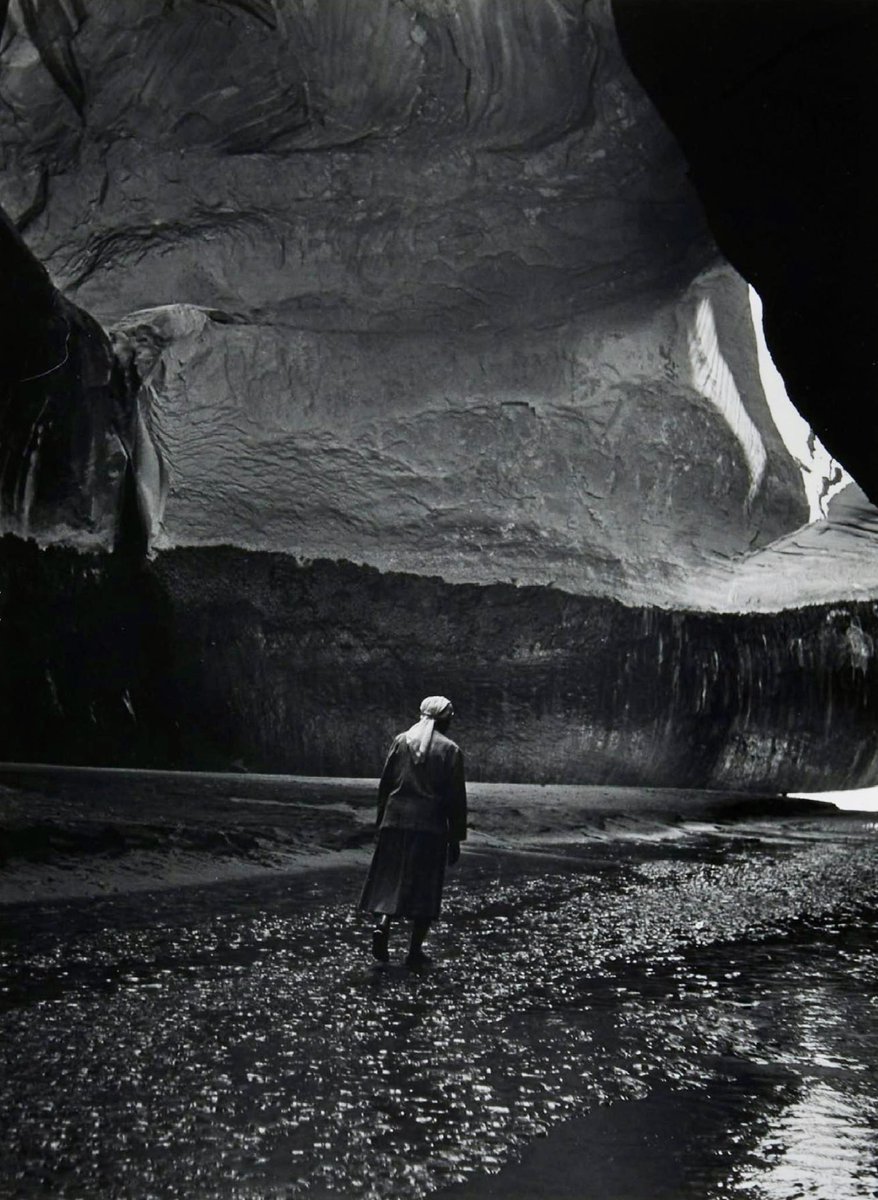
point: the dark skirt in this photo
(406, 874)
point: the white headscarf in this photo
(433, 709)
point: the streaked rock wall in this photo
(225, 659)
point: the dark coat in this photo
(428, 795)
(421, 808)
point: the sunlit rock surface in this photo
(829, 559)
(585, 455)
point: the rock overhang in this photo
(429, 290)
(455, 164)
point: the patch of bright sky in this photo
(822, 475)
(855, 800)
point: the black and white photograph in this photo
(438, 599)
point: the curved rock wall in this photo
(420, 287)
(416, 164)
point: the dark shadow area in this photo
(85, 651)
(775, 105)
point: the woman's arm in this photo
(457, 809)
(387, 782)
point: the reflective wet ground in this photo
(688, 1018)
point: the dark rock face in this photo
(85, 658)
(220, 658)
(776, 109)
(77, 456)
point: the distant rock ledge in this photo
(208, 658)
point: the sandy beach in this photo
(80, 831)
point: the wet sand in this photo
(67, 832)
(635, 995)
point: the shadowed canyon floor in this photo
(635, 995)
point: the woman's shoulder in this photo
(445, 744)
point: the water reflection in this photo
(823, 1146)
(247, 1047)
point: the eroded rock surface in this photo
(584, 455)
(426, 289)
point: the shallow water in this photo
(688, 1019)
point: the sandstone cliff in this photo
(428, 290)
(382, 346)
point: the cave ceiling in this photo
(450, 287)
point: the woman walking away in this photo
(421, 823)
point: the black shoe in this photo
(417, 958)
(379, 945)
